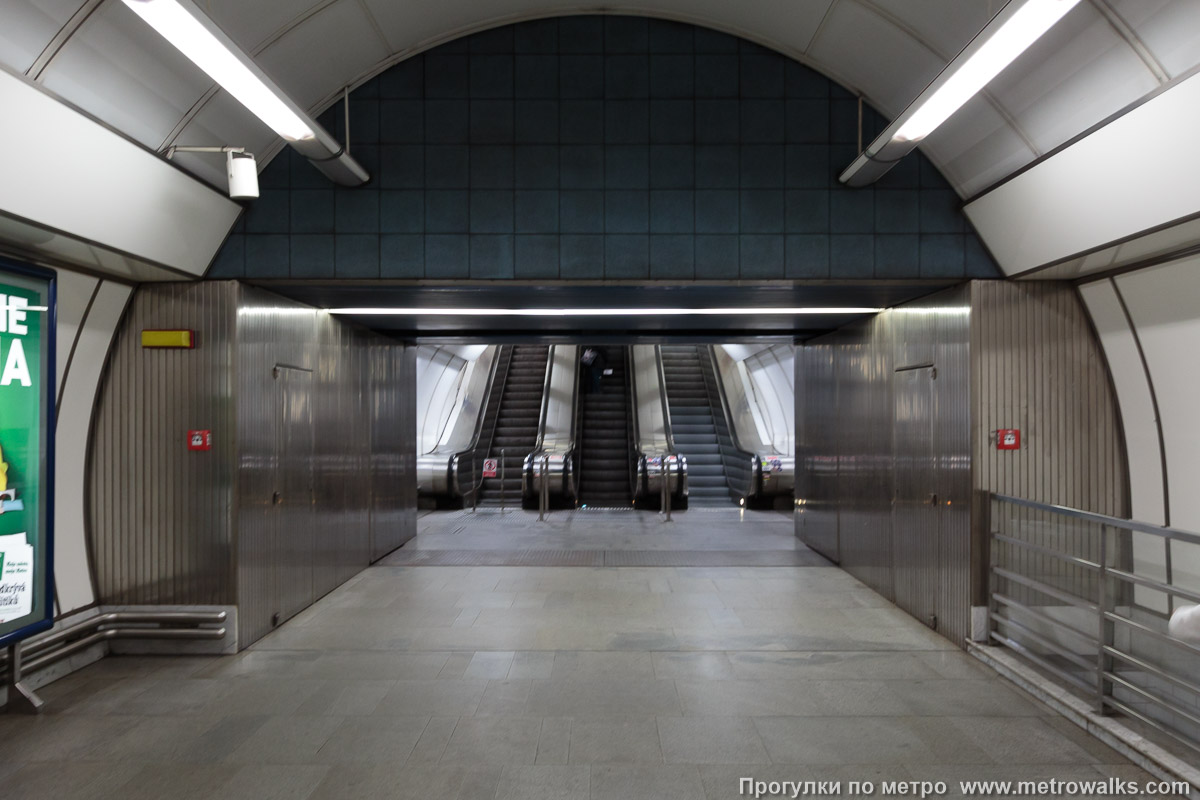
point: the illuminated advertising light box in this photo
(27, 306)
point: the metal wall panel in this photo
(1040, 369)
(270, 332)
(293, 500)
(848, 381)
(312, 471)
(393, 416)
(816, 476)
(932, 545)
(159, 516)
(1006, 355)
(952, 449)
(915, 528)
(864, 419)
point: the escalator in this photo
(516, 425)
(694, 424)
(604, 446)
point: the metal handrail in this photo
(477, 485)
(755, 459)
(541, 432)
(44, 650)
(1103, 519)
(666, 406)
(635, 455)
(574, 451)
(1101, 649)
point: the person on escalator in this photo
(593, 362)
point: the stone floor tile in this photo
(435, 698)
(711, 740)
(493, 740)
(272, 782)
(286, 740)
(602, 696)
(372, 740)
(615, 740)
(544, 783)
(64, 779)
(667, 782)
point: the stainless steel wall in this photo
(893, 448)
(158, 517)
(886, 416)
(312, 474)
(1039, 368)
(863, 416)
(393, 411)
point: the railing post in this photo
(985, 570)
(1170, 573)
(475, 487)
(666, 486)
(21, 699)
(544, 489)
(503, 485)
(1104, 628)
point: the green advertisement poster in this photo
(26, 436)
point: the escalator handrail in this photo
(574, 450)
(666, 406)
(473, 450)
(634, 454)
(729, 426)
(541, 431)
(539, 447)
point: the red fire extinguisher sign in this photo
(1008, 439)
(199, 440)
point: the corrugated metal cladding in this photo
(159, 517)
(309, 470)
(894, 454)
(1039, 369)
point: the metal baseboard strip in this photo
(1146, 754)
(605, 558)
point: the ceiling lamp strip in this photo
(192, 33)
(1009, 34)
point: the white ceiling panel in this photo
(1169, 28)
(28, 26)
(414, 24)
(122, 72)
(117, 69)
(1076, 75)
(883, 62)
(976, 147)
(324, 53)
(785, 24)
(252, 24)
(944, 25)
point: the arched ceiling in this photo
(1106, 54)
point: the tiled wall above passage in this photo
(595, 147)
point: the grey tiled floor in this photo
(697, 529)
(549, 682)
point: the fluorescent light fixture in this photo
(601, 312)
(1011, 39)
(180, 23)
(1014, 28)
